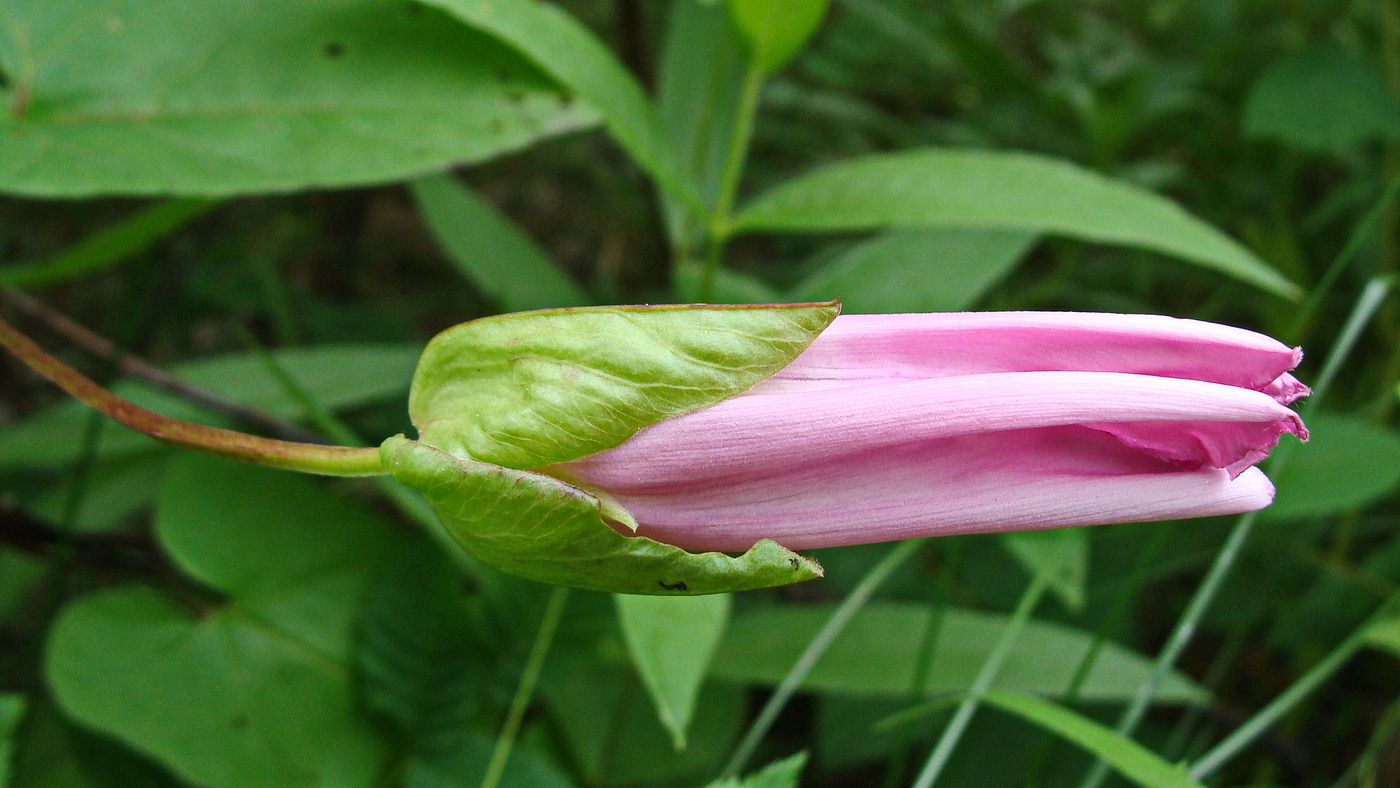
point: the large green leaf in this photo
(536, 526)
(1346, 464)
(1130, 759)
(574, 57)
(999, 191)
(941, 270)
(526, 390)
(336, 376)
(172, 97)
(1321, 99)
(776, 29)
(671, 641)
(252, 690)
(878, 654)
(491, 251)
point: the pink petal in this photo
(1184, 422)
(1020, 480)
(859, 348)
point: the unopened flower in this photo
(900, 426)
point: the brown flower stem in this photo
(305, 457)
(136, 367)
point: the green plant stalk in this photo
(943, 751)
(305, 457)
(1370, 300)
(720, 218)
(1265, 718)
(840, 617)
(549, 623)
(1091, 657)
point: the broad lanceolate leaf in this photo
(776, 29)
(538, 527)
(1347, 463)
(336, 376)
(571, 55)
(1321, 99)
(527, 390)
(254, 691)
(999, 191)
(879, 652)
(491, 251)
(933, 270)
(1130, 759)
(671, 641)
(173, 97)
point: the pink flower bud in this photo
(902, 426)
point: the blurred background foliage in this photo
(281, 206)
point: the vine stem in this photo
(305, 457)
(842, 616)
(553, 611)
(943, 751)
(740, 137)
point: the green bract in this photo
(498, 398)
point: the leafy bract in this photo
(776, 29)
(173, 97)
(761, 645)
(999, 191)
(252, 690)
(574, 57)
(671, 641)
(531, 389)
(1130, 759)
(536, 526)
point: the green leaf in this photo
(254, 690)
(776, 29)
(336, 376)
(490, 251)
(699, 78)
(943, 270)
(878, 654)
(109, 247)
(570, 54)
(999, 191)
(53, 752)
(111, 493)
(1346, 464)
(1062, 554)
(420, 665)
(730, 287)
(526, 390)
(11, 712)
(1321, 99)
(778, 774)
(671, 641)
(1130, 759)
(613, 737)
(538, 527)
(170, 97)
(459, 758)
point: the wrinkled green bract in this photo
(538, 527)
(530, 389)
(495, 399)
